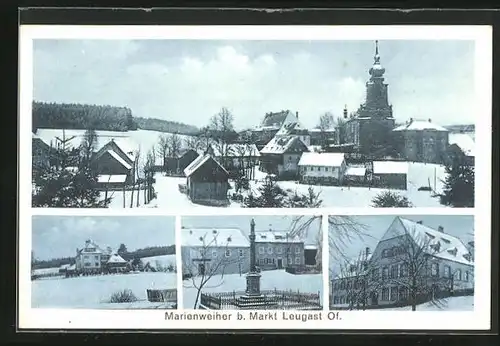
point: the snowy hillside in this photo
(273, 279)
(94, 292)
(451, 304)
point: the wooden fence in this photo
(160, 296)
(274, 299)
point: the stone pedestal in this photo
(253, 284)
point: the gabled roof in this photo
(213, 237)
(390, 167)
(118, 158)
(433, 242)
(275, 120)
(115, 258)
(281, 144)
(322, 159)
(199, 162)
(90, 247)
(420, 125)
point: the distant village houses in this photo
(175, 165)
(461, 145)
(390, 174)
(281, 156)
(278, 250)
(322, 168)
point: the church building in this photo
(369, 129)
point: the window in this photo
(290, 260)
(385, 273)
(227, 253)
(319, 169)
(403, 293)
(336, 286)
(335, 300)
(96, 264)
(280, 249)
(240, 252)
(385, 253)
(403, 270)
(85, 258)
(297, 250)
(447, 271)
(96, 257)
(385, 294)
(394, 271)
(269, 250)
(349, 285)
(261, 250)
(261, 261)
(214, 254)
(342, 285)
(458, 275)
(467, 274)
(375, 274)
(326, 169)
(435, 269)
(394, 293)
(86, 264)
(297, 260)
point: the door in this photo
(280, 263)
(201, 268)
(374, 298)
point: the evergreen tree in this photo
(271, 195)
(389, 199)
(458, 190)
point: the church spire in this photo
(376, 71)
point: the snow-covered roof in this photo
(279, 144)
(275, 120)
(420, 125)
(290, 128)
(464, 141)
(238, 150)
(449, 248)
(214, 237)
(199, 162)
(71, 267)
(116, 178)
(64, 266)
(272, 236)
(390, 167)
(356, 171)
(310, 247)
(118, 158)
(115, 258)
(322, 159)
(91, 247)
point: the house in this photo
(116, 264)
(214, 251)
(269, 126)
(115, 164)
(292, 127)
(176, 164)
(237, 157)
(41, 152)
(421, 141)
(88, 259)
(310, 255)
(355, 175)
(463, 146)
(207, 181)
(278, 250)
(323, 137)
(385, 278)
(322, 168)
(390, 174)
(281, 156)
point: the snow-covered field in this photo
(94, 292)
(46, 271)
(451, 304)
(273, 279)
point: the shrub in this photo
(388, 199)
(125, 296)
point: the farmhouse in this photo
(390, 174)
(386, 278)
(88, 259)
(278, 250)
(322, 168)
(115, 163)
(176, 164)
(421, 141)
(207, 251)
(207, 181)
(281, 156)
(463, 146)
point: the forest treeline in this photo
(139, 253)
(77, 116)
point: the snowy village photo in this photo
(402, 263)
(252, 263)
(182, 124)
(103, 262)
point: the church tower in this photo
(376, 103)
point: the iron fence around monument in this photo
(274, 300)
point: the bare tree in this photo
(326, 123)
(212, 267)
(162, 150)
(221, 126)
(174, 146)
(340, 128)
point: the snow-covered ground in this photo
(46, 271)
(273, 279)
(450, 304)
(160, 262)
(94, 292)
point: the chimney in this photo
(430, 120)
(441, 229)
(420, 222)
(297, 114)
(345, 112)
(411, 120)
(367, 251)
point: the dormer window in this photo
(263, 236)
(430, 235)
(447, 241)
(453, 251)
(436, 246)
(229, 239)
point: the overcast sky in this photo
(262, 223)
(59, 236)
(189, 81)
(460, 226)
